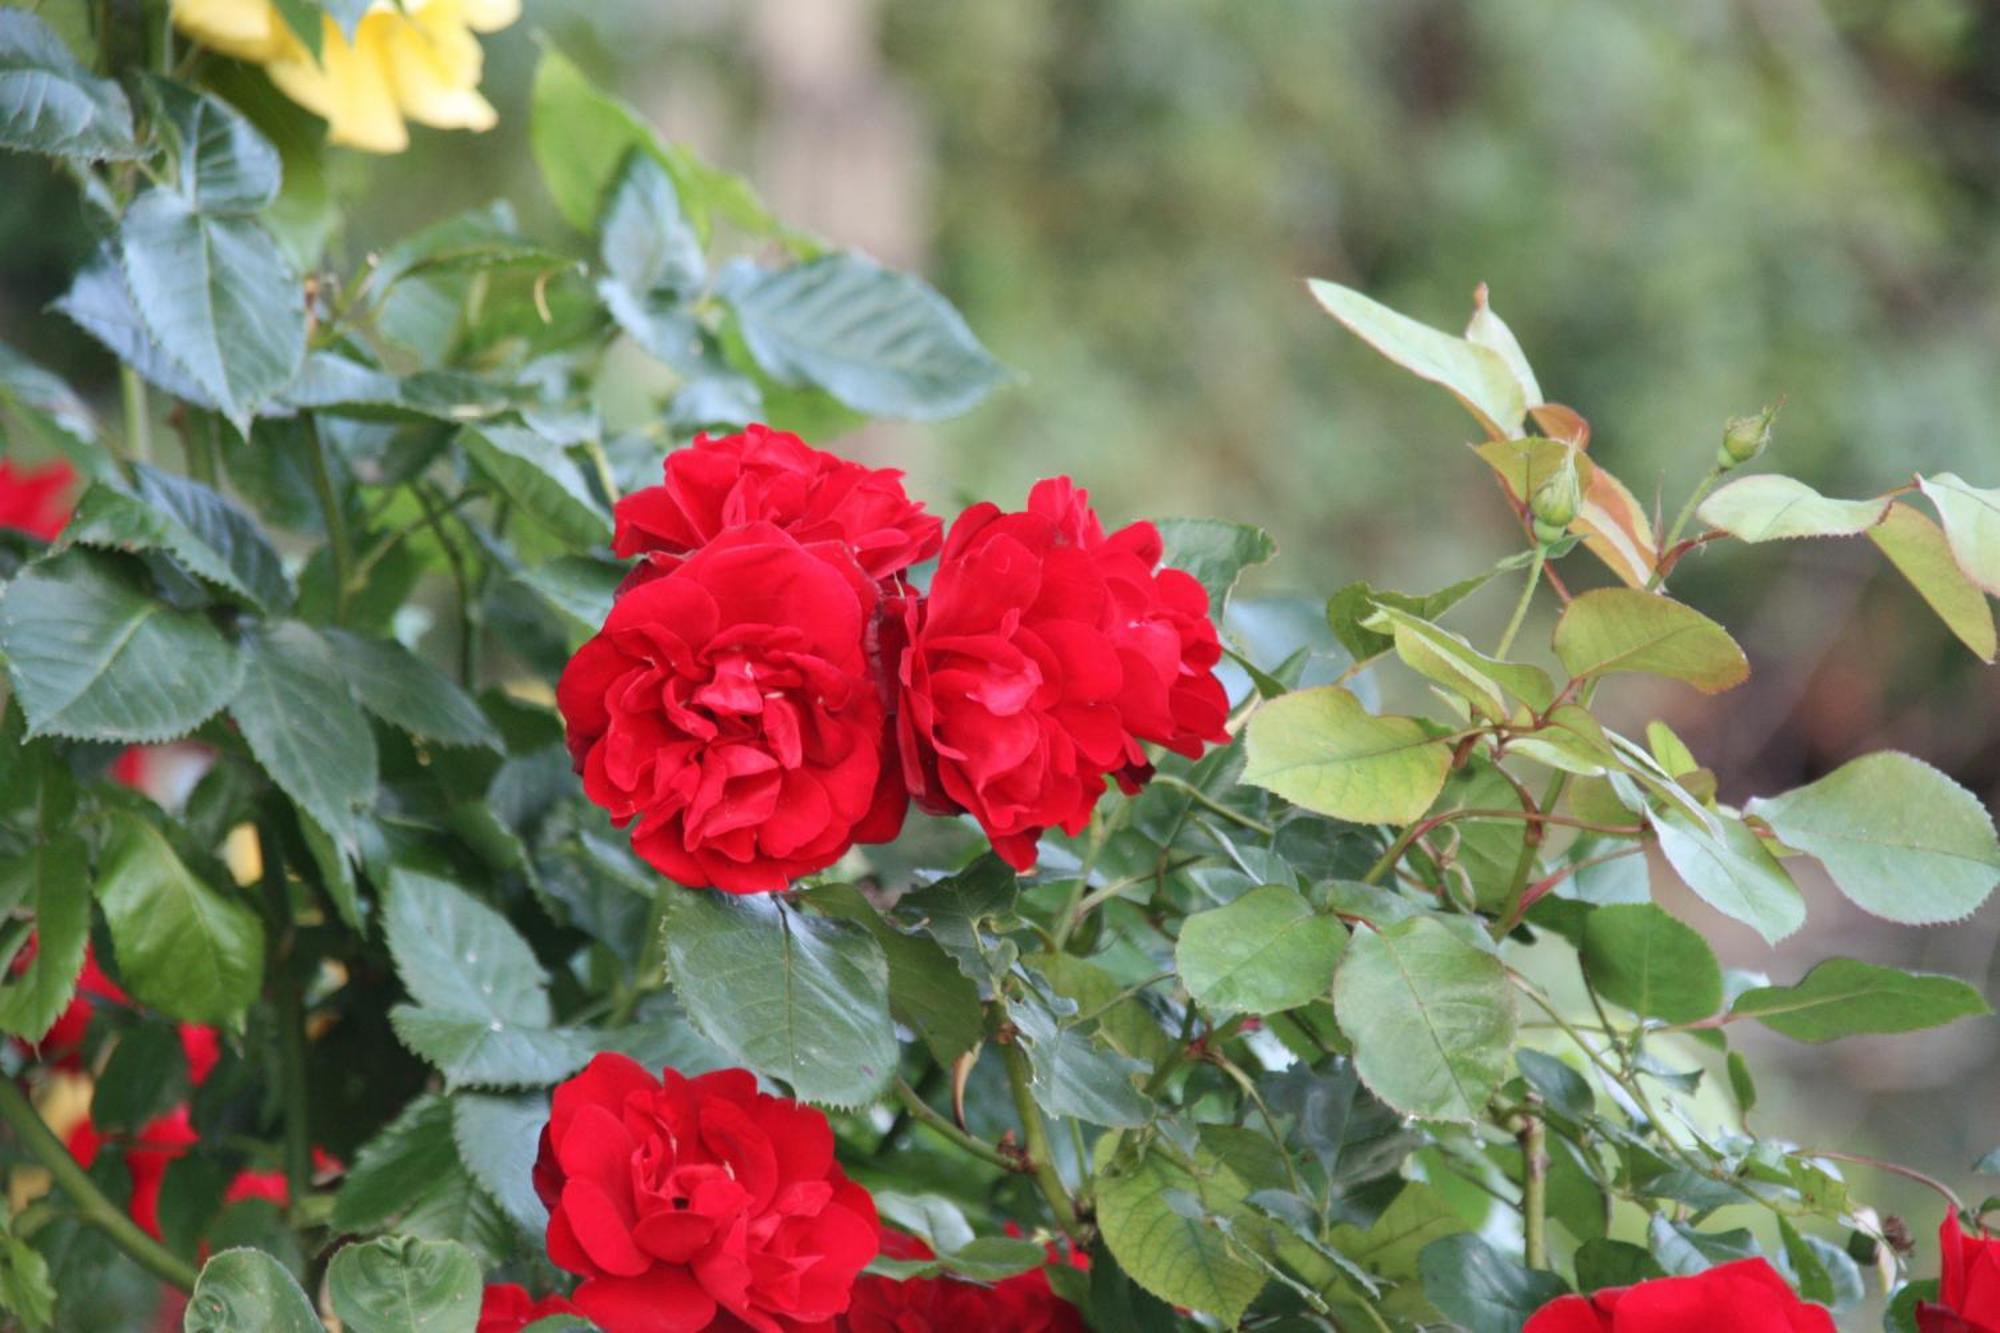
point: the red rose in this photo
(1024, 1303)
(694, 1203)
(1044, 655)
(1968, 1284)
(1747, 1296)
(271, 1186)
(768, 476)
(159, 1141)
(506, 1308)
(35, 500)
(729, 707)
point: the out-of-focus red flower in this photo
(1747, 1296)
(36, 500)
(767, 476)
(507, 1308)
(62, 1046)
(203, 1049)
(158, 1142)
(691, 1203)
(1968, 1284)
(271, 1186)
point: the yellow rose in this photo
(419, 61)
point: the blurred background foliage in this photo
(1684, 210)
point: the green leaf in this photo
(50, 875)
(247, 1291)
(1439, 655)
(1623, 629)
(1126, 1023)
(92, 657)
(1431, 1017)
(50, 104)
(1899, 838)
(214, 538)
(1844, 998)
(219, 296)
(43, 406)
(1561, 1087)
(1215, 551)
(1476, 375)
(1971, 518)
(538, 476)
(406, 691)
(1263, 953)
(400, 1284)
(223, 164)
(794, 998)
(938, 1223)
(880, 341)
(1681, 1250)
(1613, 1263)
(1393, 1246)
(100, 302)
(1639, 957)
(1742, 1085)
(298, 718)
(1918, 549)
(1481, 1290)
(1072, 1073)
(189, 950)
(410, 1175)
(26, 1290)
(1181, 1259)
(497, 1140)
(1732, 871)
(1355, 603)
(654, 256)
(475, 1052)
(1322, 750)
(1774, 507)
(955, 910)
(927, 991)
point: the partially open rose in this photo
(685, 1201)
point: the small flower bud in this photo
(1743, 438)
(1555, 503)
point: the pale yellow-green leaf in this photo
(1623, 629)
(1772, 507)
(1971, 517)
(1917, 548)
(1321, 749)
(1439, 655)
(1477, 376)
(1487, 329)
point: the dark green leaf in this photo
(51, 875)
(881, 342)
(50, 104)
(1215, 551)
(927, 991)
(406, 691)
(52, 411)
(92, 657)
(955, 910)
(1480, 1290)
(247, 1291)
(539, 477)
(223, 164)
(1072, 1073)
(295, 712)
(497, 1139)
(410, 1176)
(1645, 960)
(471, 1051)
(1681, 1250)
(141, 1078)
(100, 303)
(1181, 1259)
(795, 998)
(214, 538)
(1263, 953)
(1741, 1085)
(400, 1284)
(1604, 1263)
(1559, 1086)
(191, 951)
(1843, 998)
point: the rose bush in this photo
(457, 866)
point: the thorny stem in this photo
(1534, 1185)
(1035, 1137)
(922, 1112)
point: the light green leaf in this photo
(1355, 603)
(1321, 749)
(214, 538)
(792, 997)
(1073, 1073)
(1639, 957)
(50, 104)
(1181, 1259)
(1623, 629)
(1844, 998)
(456, 954)
(1899, 838)
(880, 341)
(247, 1291)
(400, 1284)
(1476, 375)
(1971, 517)
(927, 990)
(645, 240)
(1391, 1249)
(1431, 1017)
(1215, 551)
(223, 164)
(100, 303)
(191, 951)
(1439, 655)
(1730, 870)
(1918, 549)
(497, 1140)
(406, 691)
(93, 657)
(1263, 953)
(298, 718)
(219, 296)
(1774, 507)
(539, 477)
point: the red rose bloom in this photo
(729, 708)
(1968, 1284)
(1747, 1296)
(768, 476)
(35, 500)
(695, 1203)
(1044, 655)
(159, 1141)
(1024, 1303)
(506, 1308)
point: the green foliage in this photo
(1619, 629)
(1155, 1215)
(1642, 959)
(1266, 952)
(1322, 750)
(247, 1291)
(1843, 998)
(192, 950)
(50, 104)
(404, 1285)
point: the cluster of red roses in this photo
(702, 1203)
(770, 689)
